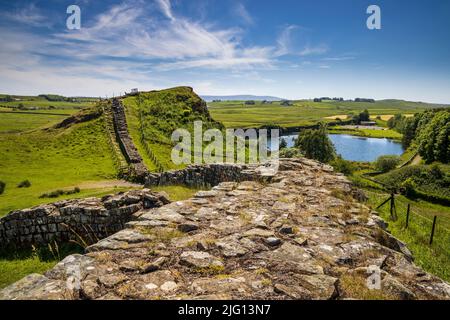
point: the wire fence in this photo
(424, 225)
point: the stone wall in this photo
(127, 146)
(206, 176)
(89, 219)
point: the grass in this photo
(422, 176)
(388, 133)
(153, 116)
(354, 286)
(177, 193)
(433, 258)
(235, 114)
(16, 264)
(40, 103)
(25, 121)
(52, 160)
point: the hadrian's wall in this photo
(125, 142)
(209, 175)
(90, 219)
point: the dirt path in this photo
(416, 160)
(110, 184)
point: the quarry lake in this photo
(356, 148)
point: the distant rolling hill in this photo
(240, 98)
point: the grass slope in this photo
(53, 159)
(13, 122)
(153, 116)
(433, 258)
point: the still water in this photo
(355, 148)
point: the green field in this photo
(52, 159)
(236, 114)
(13, 122)
(40, 102)
(388, 133)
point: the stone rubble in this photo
(295, 235)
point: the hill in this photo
(241, 98)
(54, 157)
(153, 116)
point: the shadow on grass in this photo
(49, 253)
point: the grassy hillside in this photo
(433, 258)
(153, 116)
(433, 180)
(53, 159)
(19, 121)
(304, 112)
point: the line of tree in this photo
(428, 131)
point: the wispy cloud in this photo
(178, 43)
(240, 11)
(284, 41)
(28, 15)
(314, 50)
(166, 8)
(346, 58)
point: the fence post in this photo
(407, 216)
(392, 208)
(432, 230)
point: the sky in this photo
(294, 49)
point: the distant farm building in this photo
(368, 123)
(134, 90)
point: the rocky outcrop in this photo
(127, 146)
(294, 235)
(84, 220)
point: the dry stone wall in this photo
(89, 219)
(127, 146)
(205, 176)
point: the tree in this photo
(283, 143)
(315, 144)
(409, 131)
(387, 163)
(364, 116)
(290, 153)
(434, 137)
(343, 166)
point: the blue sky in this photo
(286, 48)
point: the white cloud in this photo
(338, 58)
(28, 15)
(314, 50)
(240, 11)
(166, 8)
(126, 30)
(284, 41)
